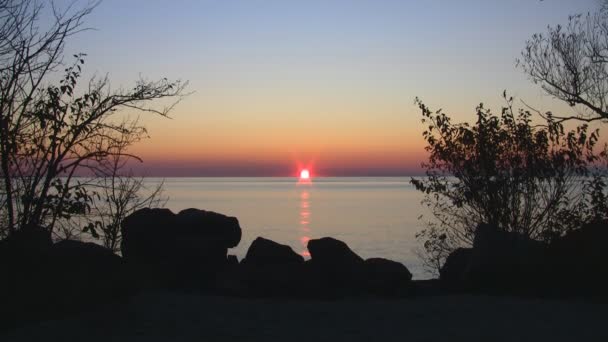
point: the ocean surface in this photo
(376, 217)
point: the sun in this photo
(304, 174)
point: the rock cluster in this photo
(506, 262)
(188, 251)
(334, 270)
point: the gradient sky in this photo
(327, 84)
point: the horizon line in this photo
(266, 176)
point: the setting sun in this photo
(304, 174)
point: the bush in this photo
(533, 180)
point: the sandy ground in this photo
(175, 317)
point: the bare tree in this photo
(571, 63)
(26, 58)
(51, 134)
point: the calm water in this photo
(376, 217)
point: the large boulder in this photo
(334, 269)
(453, 271)
(216, 228)
(269, 269)
(23, 289)
(386, 277)
(267, 252)
(579, 260)
(82, 255)
(505, 262)
(147, 235)
(85, 273)
(333, 253)
(25, 244)
(68, 277)
(183, 250)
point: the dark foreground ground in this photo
(177, 317)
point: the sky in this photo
(328, 85)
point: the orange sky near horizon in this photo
(330, 143)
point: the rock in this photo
(505, 262)
(269, 269)
(334, 270)
(24, 290)
(232, 260)
(84, 255)
(69, 277)
(266, 252)
(386, 277)
(186, 250)
(333, 253)
(231, 281)
(453, 271)
(217, 228)
(26, 243)
(147, 235)
(22, 255)
(273, 280)
(157, 234)
(587, 243)
(86, 273)
(579, 260)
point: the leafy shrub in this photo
(504, 170)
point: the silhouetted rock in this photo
(23, 257)
(453, 271)
(269, 269)
(272, 269)
(232, 281)
(333, 253)
(179, 251)
(271, 280)
(26, 243)
(505, 262)
(386, 277)
(217, 228)
(266, 252)
(147, 235)
(87, 253)
(232, 260)
(580, 260)
(85, 273)
(334, 269)
(64, 278)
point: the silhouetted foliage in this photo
(52, 133)
(571, 63)
(533, 180)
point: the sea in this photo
(375, 216)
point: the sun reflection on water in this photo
(305, 216)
